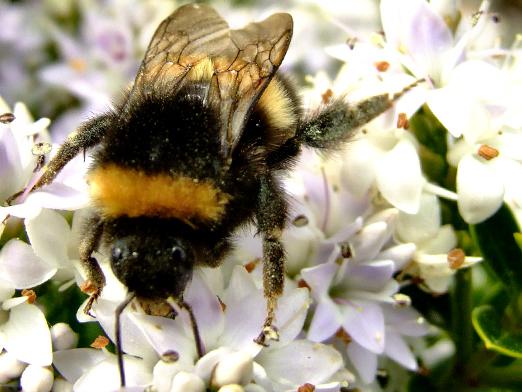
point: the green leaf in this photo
(429, 131)
(432, 136)
(496, 337)
(518, 239)
(496, 241)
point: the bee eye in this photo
(119, 251)
(116, 253)
(178, 254)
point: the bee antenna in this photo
(194, 325)
(119, 310)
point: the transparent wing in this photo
(243, 61)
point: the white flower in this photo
(419, 39)
(433, 241)
(17, 163)
(63, 337)
(37, 379)
(26, 335)
(227, 337)
(351, 292)
(16, 140)
(471, 111)
(380, 155)
(400, 323)
(10, 367)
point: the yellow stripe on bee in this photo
(202, 71)
(120, 191)
(278, 106)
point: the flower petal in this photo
(397, 349)
(134, 341)
(401, 255)
(58, 196)
(480, 190)
(12, 172)
(358, 171)
(371, 276)
(319, 278)
(368, 242)
(206, 308)
(165, 334)
(405, 320)
(426, 37)
(443, 241)
(239, 331)
(104, 376)
(459, 112)
(399, 177)
(299, 362)
(291, 312)
(49, 234)
(364, 361)
(27, 335)
(422, 225)
(325, 322)
(73, 363)
(364, 322)
(21, 267)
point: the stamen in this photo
(30, 294)
(488, 152)
(382, 66)
(456, 258)
(7, 118)
(306, 388)
(402, 121)
(401, 300)
(100, 342)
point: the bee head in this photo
(150, 261)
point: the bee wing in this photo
(243, 61)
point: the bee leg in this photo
(95, 278)
(87, 135)
(271, 217)
(337, 121)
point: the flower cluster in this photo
(378, 233)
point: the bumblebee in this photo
(195, 150)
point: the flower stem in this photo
(461, 320)
(502, 377)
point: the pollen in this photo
(382, 66)
(100, 342)
(456, 258)
(119, 191)
(306, 388)
(488, 152)
(78, 64)
(402, 121)
(30, 294)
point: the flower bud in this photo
(187, 382)
(254, 388)
(36, 379)
(61, 385)
(235, 368)
(231, 388)
(10, 367)
(63, 337)
(164, 372)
